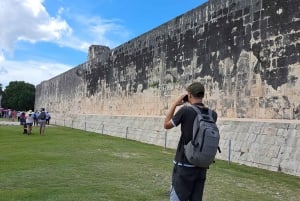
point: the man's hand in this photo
(168, 124)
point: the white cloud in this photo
(111, 32)
(1, 56)
(32, 72)
(28, 20)
(92, 30)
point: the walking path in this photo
(15, 123)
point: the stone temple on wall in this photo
(246, 53)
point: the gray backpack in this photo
(202, 149)
(42, 115)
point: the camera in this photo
(185, 98)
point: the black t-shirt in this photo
(185, 116)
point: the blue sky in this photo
(40, 39)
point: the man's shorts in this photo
(42, 123)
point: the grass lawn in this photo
(73, 165)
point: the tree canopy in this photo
(1, 91)
(19, 95)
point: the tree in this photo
(1, 92)
(1, 89)
(19, 95)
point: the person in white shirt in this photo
(48, 117)
(29, 122)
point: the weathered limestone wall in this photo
(245, 52)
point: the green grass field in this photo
(73, 165)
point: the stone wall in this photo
(246, 53)
(270, 144)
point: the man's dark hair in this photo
(196, 89)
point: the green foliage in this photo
(19, 95)
(69, 164)
(1, 90)
(154, 84)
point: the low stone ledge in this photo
(271, 145)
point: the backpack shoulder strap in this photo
(206, 117)
(210, 114)
(196, 109)
(196, 126)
